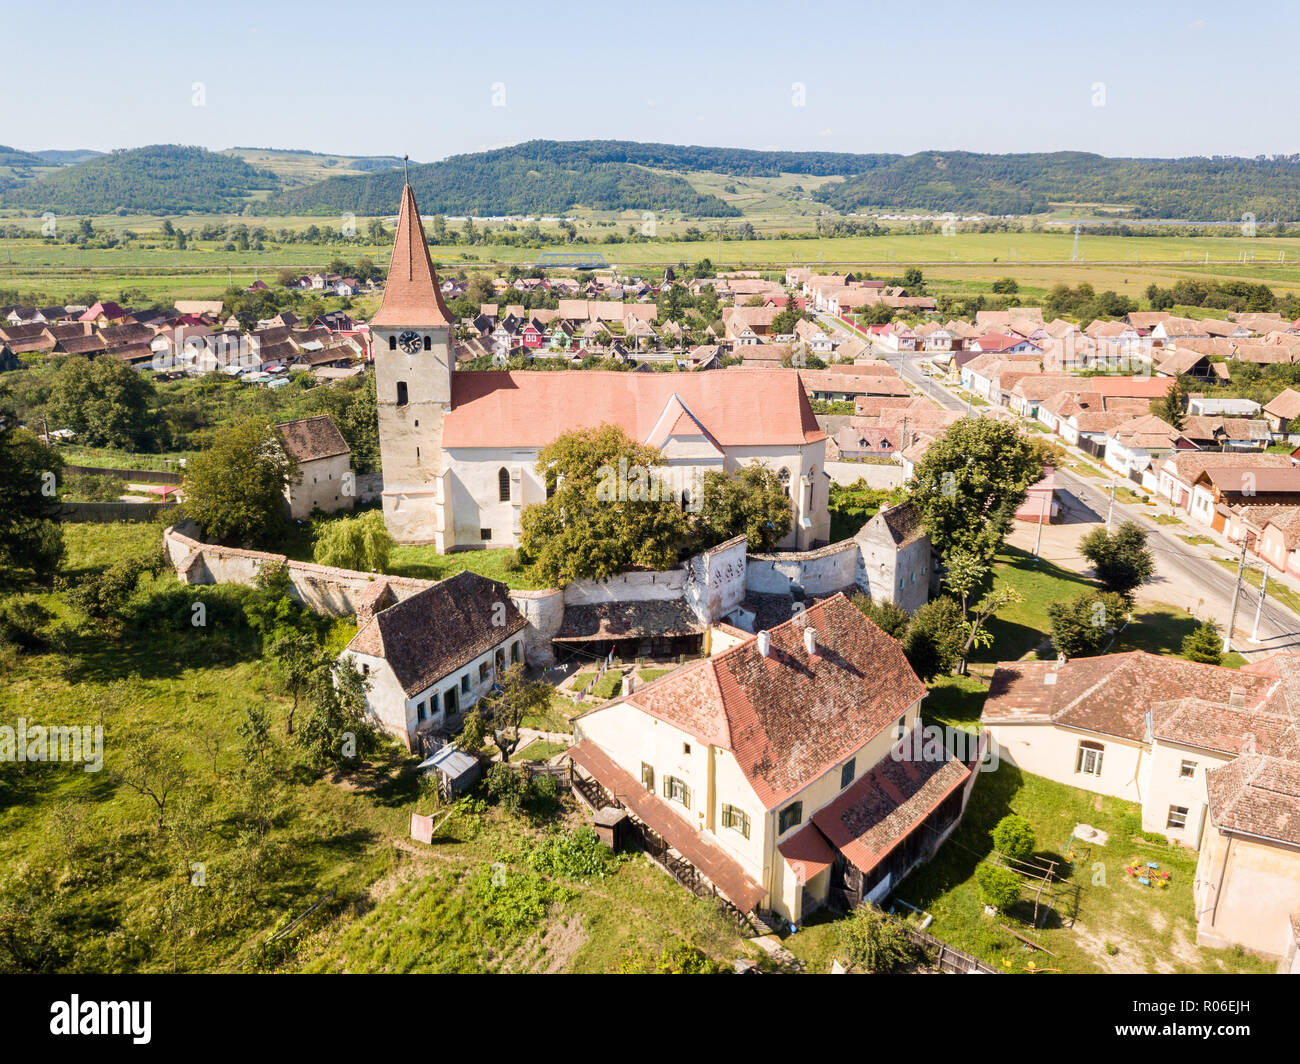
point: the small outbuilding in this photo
(457, 770)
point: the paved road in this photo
(1203, 583)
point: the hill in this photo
(549, 176)
(541, 177)
(1196, 189)
(66, 157)
(159, 179)
(295, 168)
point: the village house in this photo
(1176, 474)
(1215, 490)
(430, 657)
(779, 767)
(325, 480)
(1132, 445)
(1281, 411)
(1188, 742)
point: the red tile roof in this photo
(887, 804)
(491, 408)
(790, 717)
(412, 295)
(807, 852)
(1257, 795)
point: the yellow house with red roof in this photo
(784, 768)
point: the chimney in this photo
(764, 643)
(810, 641)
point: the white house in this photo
(430, 657)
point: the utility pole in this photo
(1045, 508)
(1111, 509)
(1259, 606)
(1236, 595)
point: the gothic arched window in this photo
(503, 484)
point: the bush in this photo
(516, 791)
(1084, 625)
(576, 855)
(885, 615)
(1204, 644)
(24, 623)
(999, 887)
(1014, 838)
(874, 941)
(105, 594)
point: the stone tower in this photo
(414, 354)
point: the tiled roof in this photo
(1109, 693)
(310, 438)
(440, 629)
(789, 717)
(532, 408)
(1257, 795)
(807, 852)
(627, 620)
(412, 295)
(887, 804)
(1286, 404)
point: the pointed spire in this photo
(411, 295)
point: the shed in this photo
(613, 828)
(457, 770)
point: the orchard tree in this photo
(499, 717)
(970, 483)
(1014, 837)
(235, 490)
(1083, 626)
(751, 501)
(337, 731)
(609, 508)
(934, 640)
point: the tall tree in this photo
(1171, 405)
(611, 507)
(105, 402)
(30, 538)
(969, 485)
(235, 489)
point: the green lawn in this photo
(1022, 627)
(1149, 929)
(540, 750)
(649, 675)
(425, 563)
(1277, 591)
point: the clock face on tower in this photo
(409, 342)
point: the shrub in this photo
(885, 615)
(24, 622)
(999, 887)
(1013, 837)
(874, 941)
(1204, 644)
(576, 855)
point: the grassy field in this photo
(1023, 627)
(961, 264)
(89, 882)
(1120, 926)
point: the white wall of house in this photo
(325, 484)
(1047, 749)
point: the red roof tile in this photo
(411, 294)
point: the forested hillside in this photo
(162, 178)
(1204, 189)
(510, 181)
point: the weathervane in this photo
(406, 170)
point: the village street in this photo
(1186, 574)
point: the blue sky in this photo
(392, 77)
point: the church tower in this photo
(414, 355)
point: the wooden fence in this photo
(948, 958)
